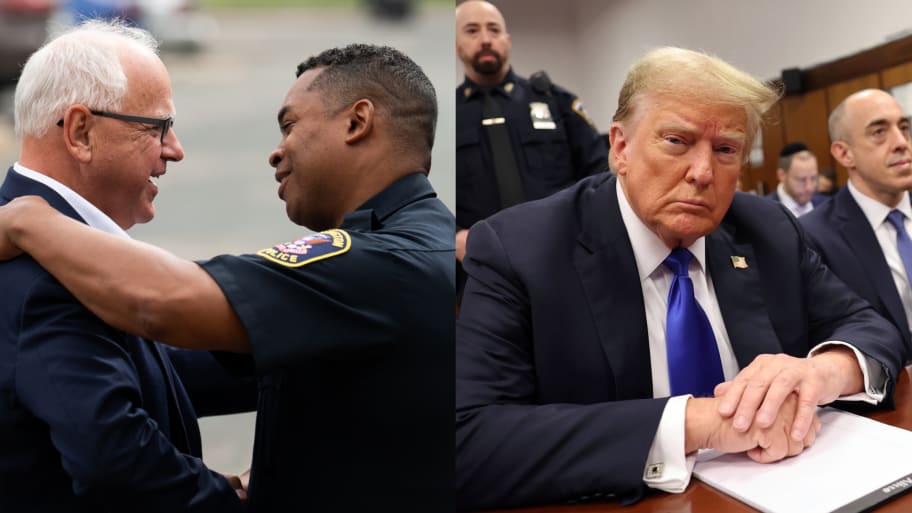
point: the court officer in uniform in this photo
(516, 139)
(350, 329)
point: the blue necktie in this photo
(903, 243)
(694, 366)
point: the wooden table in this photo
(700, 497)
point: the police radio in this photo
(541, 83)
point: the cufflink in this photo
(654, 470)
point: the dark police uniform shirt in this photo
(553, 142)
(352, 333)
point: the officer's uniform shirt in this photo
(553, 142)
(351, 331)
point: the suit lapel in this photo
(604, 260)
(181, 432)
(858, 235)
(745, 315)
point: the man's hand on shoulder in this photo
(12, 215)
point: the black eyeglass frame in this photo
(163, 124)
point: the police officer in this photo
(350, 328)
(516, 139)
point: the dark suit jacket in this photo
(816, 198)
(841, 234)
(91, 418)
(553, 379)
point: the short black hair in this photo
(788, 153)
(792, 148)
(385, 76)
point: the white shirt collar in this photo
(790, 203)
(89, 212)
(875, 211)
(648, 249)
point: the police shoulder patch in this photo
(310, 249)
(577, 107)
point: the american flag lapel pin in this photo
(739, 262)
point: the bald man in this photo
(862, 232)
(532, 140)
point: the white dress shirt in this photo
(790, 203)
(89, 212)
(876, 214)
(668, 467)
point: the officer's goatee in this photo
(489, 67)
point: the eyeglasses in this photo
(163, 124)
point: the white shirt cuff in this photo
(875, 378)
(668, 468)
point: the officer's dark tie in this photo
(508, 181)
(903, 243)
(694, 366)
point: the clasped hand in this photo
(769, 408)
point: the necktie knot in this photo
(489, 105)
(897, 219)
(678, 261)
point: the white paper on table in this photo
(853, 459)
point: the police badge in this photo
(541, 116)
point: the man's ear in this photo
(843, 154)
(78, 132)
(618, 141)
(780, 174)
(360, 120)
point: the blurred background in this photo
(825, 48)
(231, 64)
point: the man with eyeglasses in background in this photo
(797, 174)
(92, 418)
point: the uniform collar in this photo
(372, 214)
(470, 89)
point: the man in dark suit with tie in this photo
(569, 342)
(862, 234)
(94, 419)
(798, 175)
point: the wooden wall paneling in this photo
(897, 75)
(804, 119)
(838, 92)
(835, 94)
(870, 61)
(773, 140)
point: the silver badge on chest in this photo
(541, 116)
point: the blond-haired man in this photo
(572, 379)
